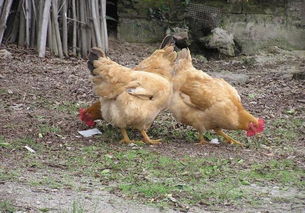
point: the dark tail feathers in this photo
(168, 40)
(94, 54)
(177, 41)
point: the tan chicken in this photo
(132, 99)
(208, 103)
(157, 63)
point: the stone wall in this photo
(255, 24)
(280, 23)
(146, 20)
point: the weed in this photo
(46, 129)
(3, 91)
(8, 175)
(68, 107)
(26, 141)
(6, 207)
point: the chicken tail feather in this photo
(167, 41)
(184, 54)
(94, 54)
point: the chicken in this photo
(90, 114)
(208, 103)
(132, 99)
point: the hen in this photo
(156, 63)
(90, 114)
(132, 99)
(208, 103)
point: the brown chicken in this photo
(132, 99)
(209, 103)
(90, 114)
(150, 64)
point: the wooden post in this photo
(44, 26)
(3, 17)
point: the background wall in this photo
(255, 24)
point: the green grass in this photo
(47, 129)
(3, 142)
(9, 175)
(6, 207)
(278, 132)
(150, 177)
(26, 141)
(68, 107)
(3, 91)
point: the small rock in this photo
(4, 54)
(221, 40)
(299, 75)
(231, 77)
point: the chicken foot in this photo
(202, 141)
(227, 138)
(146, 138)
(125, 138)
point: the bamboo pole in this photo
(21, 34)
(28, 16)
(64, 27)
(83, 44)
(74, 28)
(104, 25)
(54, 47)
(50, 38)
(56, 27)
(44, 27)
(94, 6)
(58, 24)
(3, 17)
(15, 27)
(1, 4)
(33, 24)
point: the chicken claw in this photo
(147, 140)
(227, 138)
(125, 138)
(202, 141)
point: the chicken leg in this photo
(202, 141)
(227, 138)
(146, 138)
(125, 138)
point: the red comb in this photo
(82, 114)
(261, 125)
(260, 128)
(86, 118)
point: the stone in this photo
(4, 54)
(299, 75)
(232, 78)
(140, 30)
(221, 40)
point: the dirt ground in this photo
(39, 104)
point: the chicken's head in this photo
(86, 118)
(256, 128)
